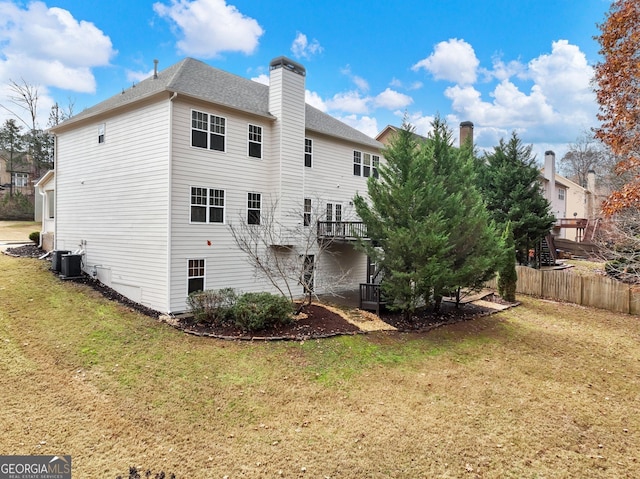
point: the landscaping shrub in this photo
(35, 237)
(256, 311)
(213, 307)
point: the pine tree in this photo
(426, 220)
(408, 238)
(473, 240)
(509, 180)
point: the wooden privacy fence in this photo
(561, 285)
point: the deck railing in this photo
(342, 230)
(371, 297)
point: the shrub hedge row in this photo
(249, 311)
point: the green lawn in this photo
(543, 390)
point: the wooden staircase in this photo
(547, 251)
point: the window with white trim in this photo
(101, 129)
(357, 163)
(20, 179)
(254, 203)
(307, 212)
(255, 141)
(308, 152)
(365, 164)
(561, 194)
(208, 131)
(195, 275)
(207, 205)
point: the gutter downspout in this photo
(55, 193)
(170, 201)
(42, 201)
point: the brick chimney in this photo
(466, 132)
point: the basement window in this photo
(196, 271)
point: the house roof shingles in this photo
(196, 79)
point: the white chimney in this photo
(287, 105)
(550, 176)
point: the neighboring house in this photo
(45, 209)
(576, 208)
(389, 131)
(15, 175)
(147, 182)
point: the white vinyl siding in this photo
(111, 201)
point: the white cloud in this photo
(360, 82)
(301, 48)
(395, 83)
(349, 102)
(392, 100)
(262, 78)
(563, 75)
(137, 77)
(453, 60)
(547, 100)
(366, 124)
(47, 46)
(210, 27)
(315, 100)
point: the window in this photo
(195, 276)
(307, 212)
(208, 131)
(255, 141)
(357, 163)
(20, 179)
(561, 194)
(51, 198)
(101, 129)
(365, 164)
(253, 208)
(308, 152)
(207, 205)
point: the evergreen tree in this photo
(507, 274)
(407, 238)
(509, 180)
(427, 224)
(473, 240)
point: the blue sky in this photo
(505, 65)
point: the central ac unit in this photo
(56, 260)
(71, 266)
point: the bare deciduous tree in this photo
(619, 242)
(288, 253)
(584, 155)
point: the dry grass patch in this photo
(542, 390)
(18, 230)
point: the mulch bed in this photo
(319, 322)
